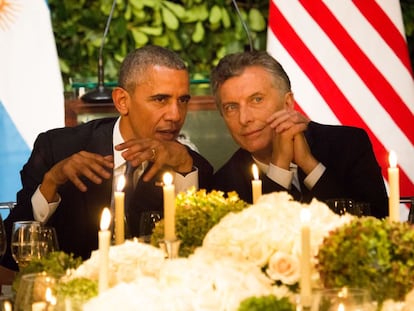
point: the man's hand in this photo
(287, 124)
(93, 166)
(162, 153)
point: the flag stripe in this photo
(386, 29)
(375, 81)
(324, 84)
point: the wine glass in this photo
(48, 239)
(344, 299)
(146, 225)
(3, 240)
(25, 244)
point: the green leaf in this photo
(177, 9)
(198, 34)
(225, 18)
(170, 20)
(215, 14)
(140, 38)
(153, 31)
(196, 13)
(256, 20)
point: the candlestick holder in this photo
(171, 248)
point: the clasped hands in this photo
(289, 144)
(96, 167)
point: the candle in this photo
(305, 280)
(169, 208)
(256, 184)
(104, 241)
(120, 211)
(394, 188)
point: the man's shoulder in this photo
(335, 130)
(89, 126)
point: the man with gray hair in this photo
(309, 160)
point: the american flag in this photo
(348, 63)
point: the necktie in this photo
(129, 194)
(297, 195)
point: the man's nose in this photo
(245, 115)
(174, 112)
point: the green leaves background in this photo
(200, 31)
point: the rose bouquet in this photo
(268, 235)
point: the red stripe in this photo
(372, 77)
(326, 86)
(386, 29)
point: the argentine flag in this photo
(31, 89)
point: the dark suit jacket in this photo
(352, 170)
(77, 218)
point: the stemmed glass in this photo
(30, 240)
(3, 240)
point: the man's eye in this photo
(160, 98)
(257, 99)
(229, 107)
(184, 100)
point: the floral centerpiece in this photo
(268, 235)
(369, 253)
(196, 213)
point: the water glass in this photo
(36, 292)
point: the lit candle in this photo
(394, 188)
(104, 241)
(169, 208)
(305, 268)
(256, 184)
(120, 211)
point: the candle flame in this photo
(255, 172)
(167, 179)
(105, 219)
(305, 215)
(49, 296)
(341, 307)
(121, 183)
(392, 158)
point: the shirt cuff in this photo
(183, 183)
(42, 210)
(314, 176)
(281, 176)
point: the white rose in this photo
(284, 267)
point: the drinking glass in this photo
(3, 240)
(25, 242)
(146, 225)
(342, 299)
(36, 292)
(49, 240)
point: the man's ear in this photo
(289, 101)
(121, 100)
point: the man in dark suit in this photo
(68, 178)
(307, 159)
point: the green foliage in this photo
(369, 253)
(266, 303)
(55, 264)
(200, 31)
(196, 213)
(78, 290)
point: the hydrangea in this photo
(369, 253)
(196, 213)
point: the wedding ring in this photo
(153, 154)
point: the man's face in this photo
(246, 102)
(159, 103)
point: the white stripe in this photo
(375, 48)
(347, 80)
